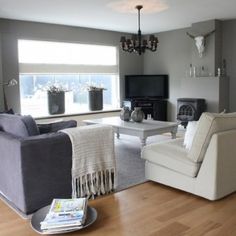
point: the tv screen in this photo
(146, 86)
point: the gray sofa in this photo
(35, 163)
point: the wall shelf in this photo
(206, 77)
(215, 90)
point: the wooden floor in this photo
(146, 209)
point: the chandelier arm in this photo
(153, 49)
(127, 49)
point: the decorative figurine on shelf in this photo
(125, 114)
(137, 114)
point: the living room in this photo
(174, 54)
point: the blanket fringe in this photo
(94, 184)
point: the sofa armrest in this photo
(54, 127)
(36, 169)
(11, 184)
(218, 167)
(46, 169)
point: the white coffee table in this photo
(142, 130)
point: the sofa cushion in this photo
(209, 123)
(172, 155)
(22, 126)
(189, 134)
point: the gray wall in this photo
(12, 30)
(213, 89)
(229, 54)
(173, 58)
(175, 53)
(10, 70)
(208, 58)
(1, 79)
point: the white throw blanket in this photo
(93, 160)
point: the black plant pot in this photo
(56, 103)
(95, 100)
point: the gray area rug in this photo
(130, 166)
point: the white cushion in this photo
(189, 134)
(209, 123)
(172, 155)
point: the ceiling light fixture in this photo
(136, 44)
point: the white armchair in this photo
(208, 169)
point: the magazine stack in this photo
(64, 215)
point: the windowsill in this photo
(77, 114)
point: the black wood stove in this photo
(190, 109)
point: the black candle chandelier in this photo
(136, 44)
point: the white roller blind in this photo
(59, 57)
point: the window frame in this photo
(33, 68)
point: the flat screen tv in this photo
(146, 86)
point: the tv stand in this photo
(157, 108)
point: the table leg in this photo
(117, 134)
(143, 141)
(116, 130)
(173, 133)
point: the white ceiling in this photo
(101, 14)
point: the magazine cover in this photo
(68, 205)
(65, 213)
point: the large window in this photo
(72, 66)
